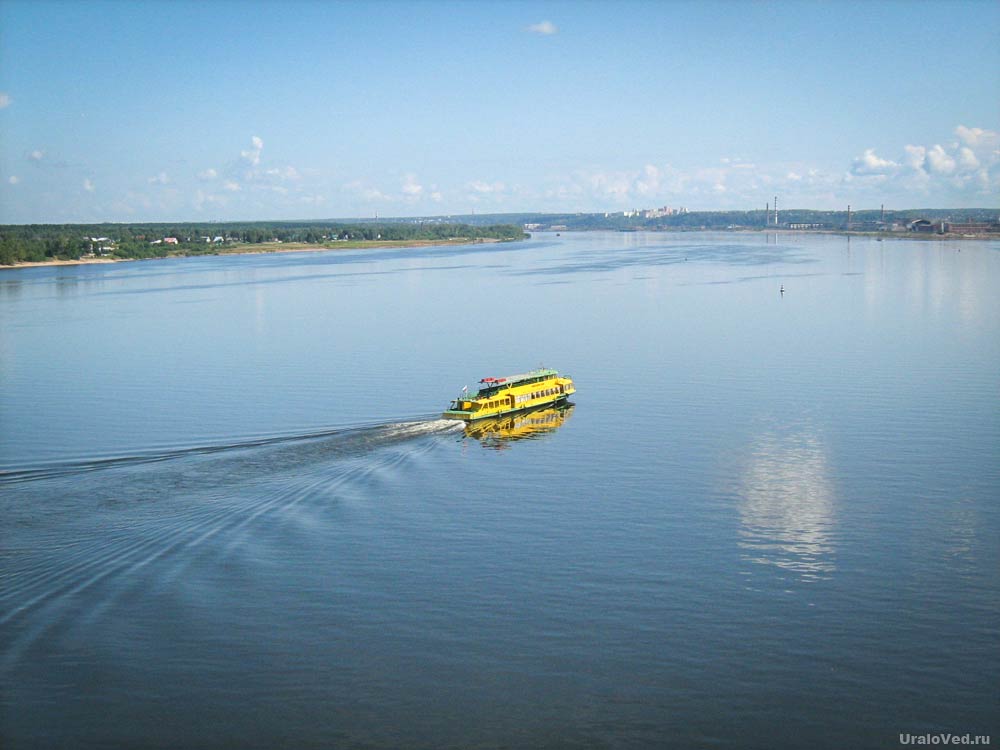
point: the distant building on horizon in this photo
(652, 213)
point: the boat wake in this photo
(82, 538)
(343, 440)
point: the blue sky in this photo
(226, 110)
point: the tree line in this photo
(754, 219)
(41, 242)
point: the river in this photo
(232, 516)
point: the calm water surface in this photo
(232, 518)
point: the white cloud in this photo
(249, 174)
(13, 179)
(563, 192)
(203, 200)
(649, 182)
(977, 137)
(368, 193)
(481, 191)
(963, 170)
(479, 186)
(88, 185)
(869, 163)
(915, 156)
(5, 100)
(36, 155)
(946, 173)
(207, 174)
(411, 188)
(616, 186)
(729, 183)
(939, 161)
(160, 179)
(285, 173)
(545, 28)
(653, 185)
(252, 155)
(411, 191)
(967, 159)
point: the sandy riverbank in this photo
(80, 262)
(266, 247)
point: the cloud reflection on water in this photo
(787, 505)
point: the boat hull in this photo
(468, 416)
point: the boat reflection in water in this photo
(497, 433)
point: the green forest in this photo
(33, 243)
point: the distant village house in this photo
(100, 246)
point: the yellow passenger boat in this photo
(511, 393)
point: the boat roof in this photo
(540, 373)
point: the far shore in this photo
(301, 247)
(266, 247)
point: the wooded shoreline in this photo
(260, 249)
(34, 244)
